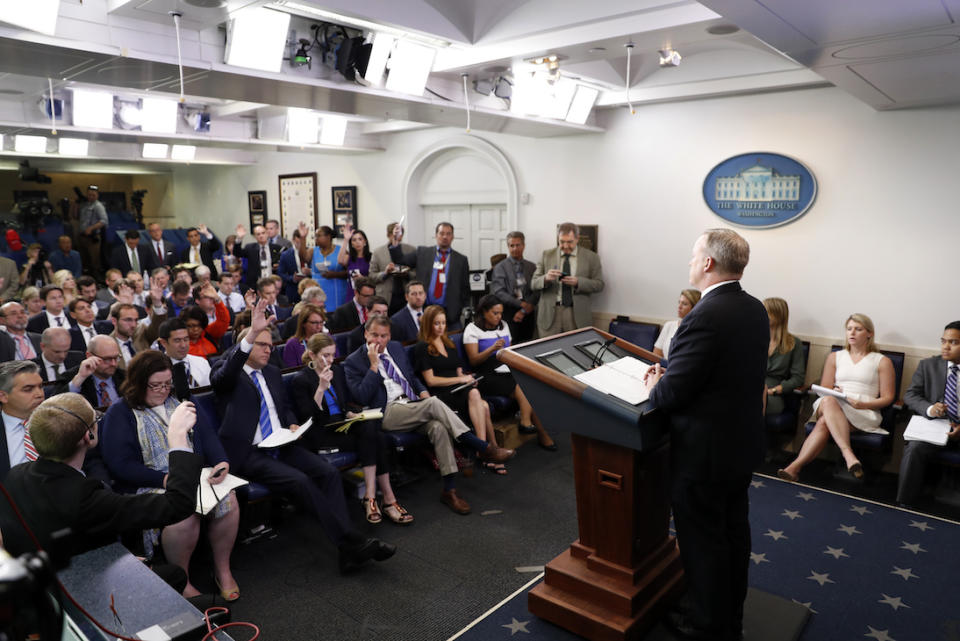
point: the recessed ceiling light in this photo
(11, 92)
(596, 49)
(722, 29)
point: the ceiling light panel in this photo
(256, 39)
(154, 150)
(302, 126)
(73, 146)
(334, 131)
(30, 144)
(410, 65)
(159, 115)
(379, 53)
(35, 15)
(583, 101)
(92, 109)
(183, 152)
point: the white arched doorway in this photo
(468, 181)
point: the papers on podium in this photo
(283, 436)
(826, 391)
(929, 430)
(208, 496)
(622, 378)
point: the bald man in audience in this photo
(98, 378)
(55, 355)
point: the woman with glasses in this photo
(196, 321)
(309, 322)
(135, 449)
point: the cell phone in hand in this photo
(218, 472)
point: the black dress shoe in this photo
(353, 556)
(384, 550)
(680, 625)
(550, 448)
(526, 429)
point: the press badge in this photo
(442, 277)
(438, 266)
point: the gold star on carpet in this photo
(516, 626)
(776, 535)
(792, 514)
(759, 558)
(860, 509)
(806, 496)
(879, 635)
(893, 601)
(820, 578)
(913, 547)
(849, 530)
(920, 525)
(906, 573)
(835, 552)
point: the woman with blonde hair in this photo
(688, 298)
(63, 278)
(785, 366)
(319, 391)
(867, 380)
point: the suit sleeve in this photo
(464, 284)
(121, 451)
(377, 271)
(223, 378)
(304, 406)
(593, 283)
(500, 287)
(537, 283)
(363, 382)
(797, 371)
(691, 361)
(915, 396)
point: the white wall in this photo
(873, 242)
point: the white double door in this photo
(479, 231)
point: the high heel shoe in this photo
(857, 470)
(228, 594)
(397, 514)
(786, 476)
(372, 509)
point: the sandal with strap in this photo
(397, 514)
(497, 468)
(372, 510)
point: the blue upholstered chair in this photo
(640, 334)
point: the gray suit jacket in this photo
(927, 386)
(504, 283)
(8, 347)
(590, 281)
(11, 279)
(378, 263)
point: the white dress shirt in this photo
(14, 430)
(275, 422)
(53, 370)
(52, 320)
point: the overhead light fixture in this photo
(410, 65)
(334, 131)
(129, 114)
(183, 152)
(73, 146)
(669, 57)
(257, 38)
(30, 144)
(154, 150)
(302, 126)
(537, 93)
(311, 11)
(159, 115)
(583, 101)
(380, 50)
(36, 15)
(92, 109)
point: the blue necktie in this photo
(397, 378)
(331, 399)
(265, 427)
(950, 394)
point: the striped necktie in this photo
(265, 426)
(24, 348)
(950, 394)
(397, 378)
(28, 449)
(103, 393)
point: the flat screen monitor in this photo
(591, 348)
(561, 362)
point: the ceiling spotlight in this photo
(669, 58)
(503, 88)
(302, 55)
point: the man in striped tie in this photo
(21, 391)
(932, 393)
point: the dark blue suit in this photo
(77, 343)
(402, 326)
(366, 386)
(295, 470)
(712, 395)
(287, 268)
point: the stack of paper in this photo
(622, 378)
(283, 436)
(930, 430)
(826, 391)
(208, 496)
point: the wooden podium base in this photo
(590, 602)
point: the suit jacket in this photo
(78, 344)
(927, 386)
(712, 393)
(120, 259)
(458, 279)
(590, 281)
(304, 385)
(8, 346)
(169, 254)
(379, 260)
(287, 268)
(72, 361)
(366, 386)
(39, 322)
(251, 252)
(403, 327)
(239, 403)
(11, 276)
(344, 318)
(207, 249)
(504, 283)
(53, 496)
(88, 390)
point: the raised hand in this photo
(202, 229)
(258, 319)
(240, 231)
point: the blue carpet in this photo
(866, 571)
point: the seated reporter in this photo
(435, 358)
(218, 315)
(135, 449)
(688, 298)
(866, 376)
(785, 366)
(309, 323)
(319, 391)
(482, 339)
(195, 320)
(53, 493)
(253, 404)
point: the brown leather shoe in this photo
(496, 454)
(454, 502)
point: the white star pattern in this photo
(893, 601)
(879, 635)
(792, 514)
(808, 605)
(759, 558)
(913, 547)
(806, 496)
(776, 535)
(860, 509)
(820, 578)
(757, 484)
(516, 626)
(849, 529)
(835, 552)
(920, 525)
(906, 573)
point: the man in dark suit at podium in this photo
(712, 393)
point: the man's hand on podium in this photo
(653, 376)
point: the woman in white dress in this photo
(688, 298)
(867, 379)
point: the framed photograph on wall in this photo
(257, 202)
(298, 203)
(344, 208)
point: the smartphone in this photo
(218, 473)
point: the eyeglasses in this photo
(265, 345)
(109, 358)
(159, 387)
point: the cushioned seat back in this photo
(640, 334)
(342, 340)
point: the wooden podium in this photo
(615, 580)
